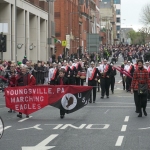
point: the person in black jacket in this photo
(105, 70)
(62, 80)
(91, 79)
(112, 78)
(123, 76)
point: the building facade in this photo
(108, 22)
(27, 34)
(117, 4)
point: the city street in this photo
(108, 124)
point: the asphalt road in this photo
(108, 124)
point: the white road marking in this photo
(119, 141)
(144, 128)
(7, 127)
(124, 128)
(120, 81)
(34, 127)
(106, 111)
(126, 119)
(25, 119)
(42, 145)
(47, 140)
(124, 96)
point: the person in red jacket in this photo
(140, 77)
(11, 77)
(25, 79)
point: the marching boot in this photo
(144, 111)
(140, 114)
(19, 115)
(62, 116)
(10, 111)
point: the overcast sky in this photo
(131, 10)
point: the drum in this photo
(83, 75)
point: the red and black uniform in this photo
(72, 74)
(106, 71)
(91, 78)
(78, 68)
(67, 70)
(112, 79)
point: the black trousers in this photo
(140, 101)
(98, 86)
(71, 80)
(112, 83)
(105, 83)
(82, 81)
(77, 81)
(128, 83)
(92, 83)
(52, 82)
(124, 82)
(62, 112)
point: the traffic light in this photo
(55, 49)
(3, 39)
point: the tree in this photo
(145, 17)
(136, 37)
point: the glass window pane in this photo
(116, 1)
(118, 12)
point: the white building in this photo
(117, 4)
(27, 29)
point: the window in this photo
(118, 12)
(118, 36)
(118, 20)
(117, 2)
(118, 28)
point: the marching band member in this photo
(105, 70)
(72, 73)
(53, 72)
(11, 77)
(123, 76)
(129, 68)
(112, 78)
(146, 66)
(148, 69)
(78, 68)
(66, 68)
(25, 79)
(98, 77)
(83, 75)
(91, 79)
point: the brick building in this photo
(72, 21)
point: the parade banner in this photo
(29, 99)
